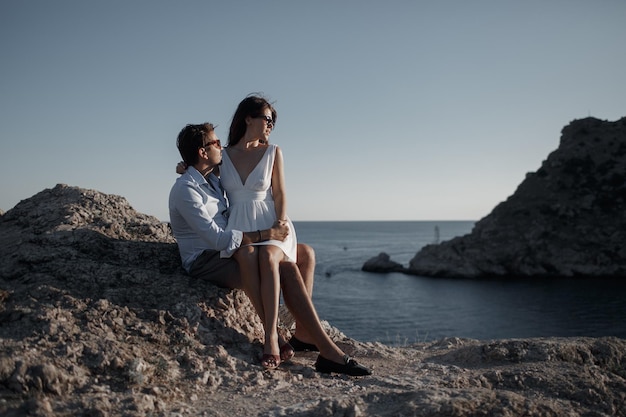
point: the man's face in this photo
(213, 149)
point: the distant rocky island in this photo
(567, 219)
(97, 318)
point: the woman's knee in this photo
(247, 254)
(306, 254)
(270, 255)
(247, 249)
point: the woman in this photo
(252, 175)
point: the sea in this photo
(399, 309)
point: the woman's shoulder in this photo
(273, 147)
(268, 148)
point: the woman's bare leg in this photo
(248, 260)
(269, 260)
(301, 307)
(306, 266)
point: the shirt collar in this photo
(196, 175)
(212, 182)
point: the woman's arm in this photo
(181, 168)
(278, 187)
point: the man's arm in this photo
(193, 215)
(202, 214)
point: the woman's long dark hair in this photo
(252, 106)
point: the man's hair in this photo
(192, 138)
(252, 106)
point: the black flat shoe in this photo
(349, 367)
(300, 346)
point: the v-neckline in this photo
(243, 182)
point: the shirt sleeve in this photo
(199, 211)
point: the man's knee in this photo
(221, 272)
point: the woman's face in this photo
(261, 126)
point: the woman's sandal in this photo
(269, 361)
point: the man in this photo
(198, 216)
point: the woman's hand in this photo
(279, 231)
(181, 168)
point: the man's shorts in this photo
(223, 272)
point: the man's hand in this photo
(279, 231)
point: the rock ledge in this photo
(98, 319)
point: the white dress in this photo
(251, 203)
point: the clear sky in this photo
(387, 110)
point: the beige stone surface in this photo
(97, 319)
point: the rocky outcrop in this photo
(85, 282)
(566, 219)
(98, 319)
(382, 263)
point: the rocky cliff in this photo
(566, 219)
(98, 319)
